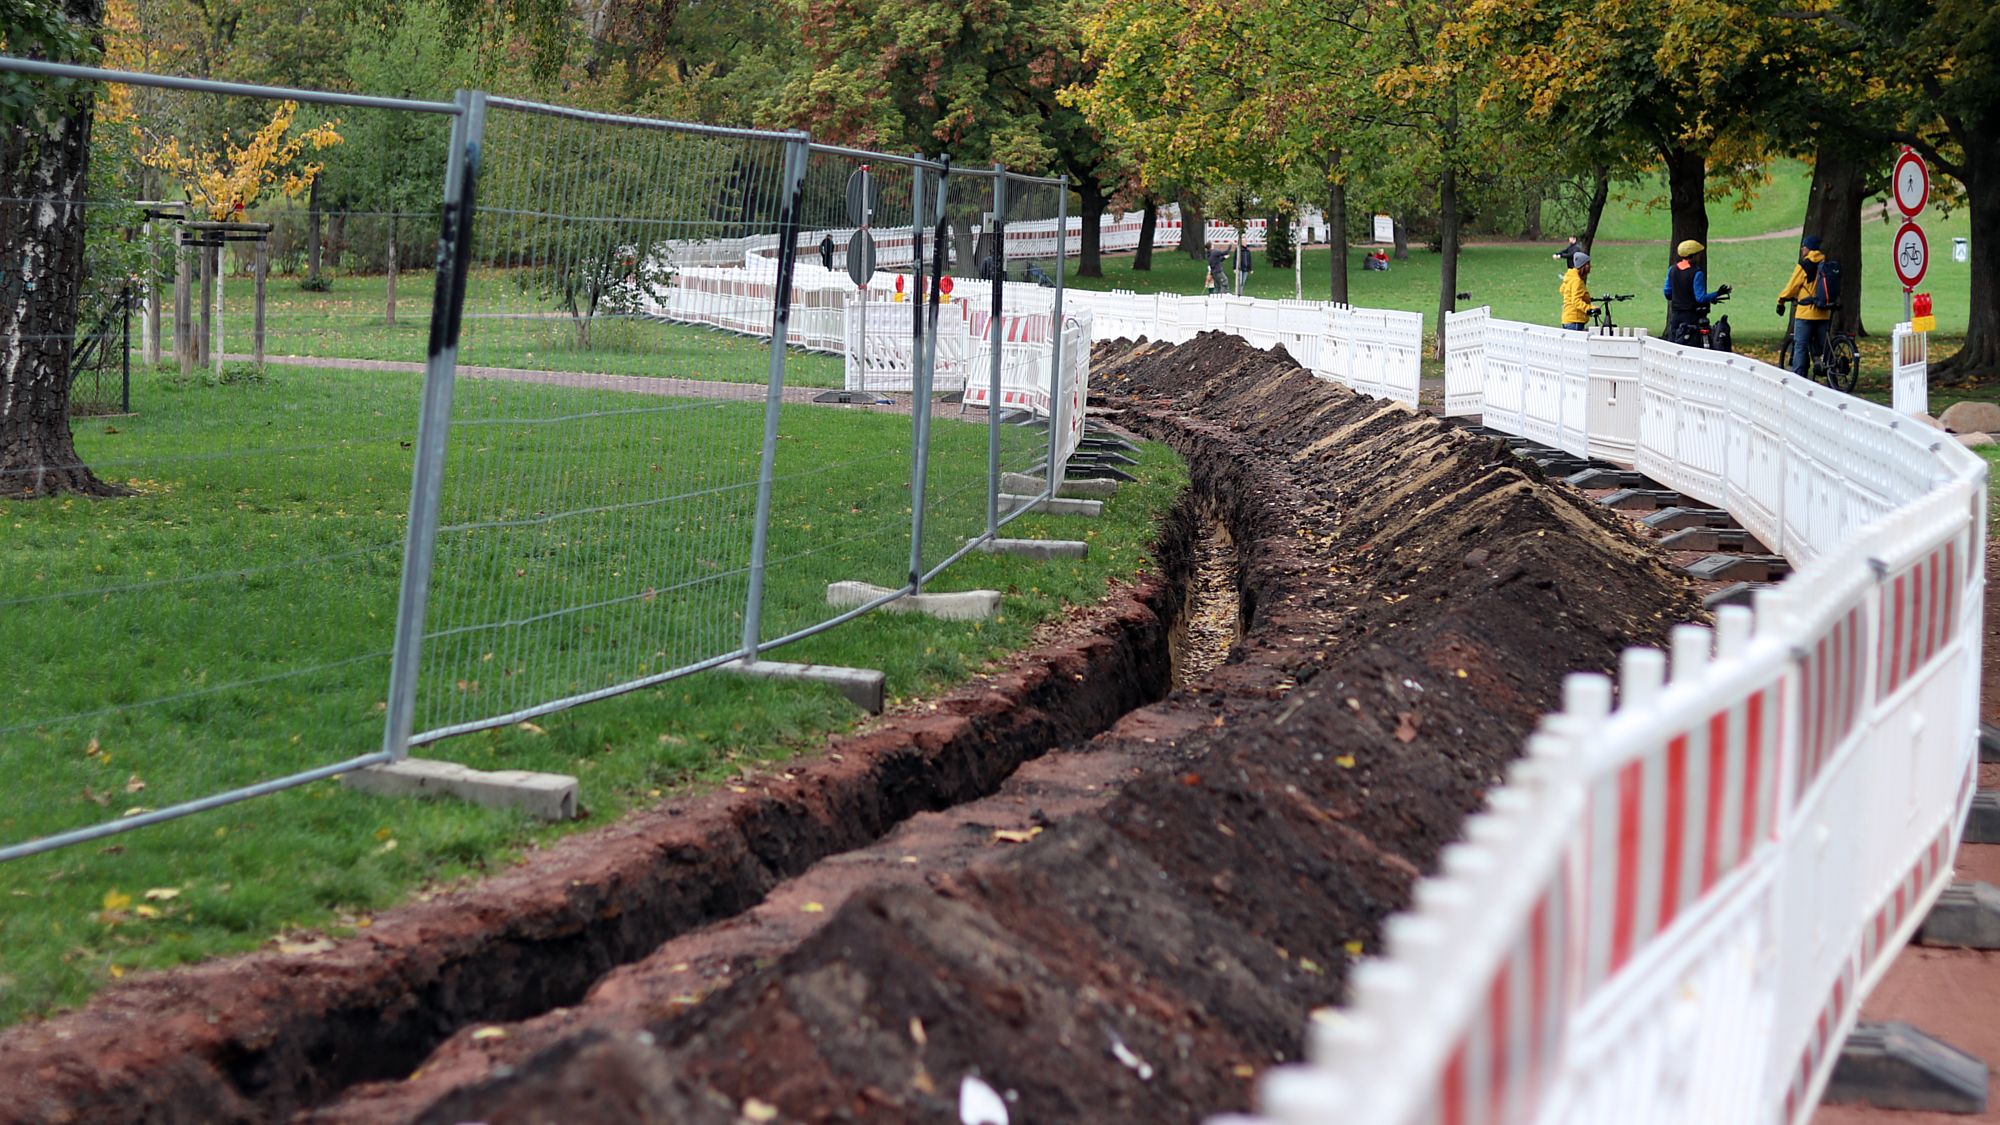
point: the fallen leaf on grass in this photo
(146, 911)
(1016, 836)
(133, 784)
(163, 894)
(115, 899)
(532, 728)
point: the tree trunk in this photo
(1089, 263)
(389, 316)
(1336, 239)
(1149, 219)
(44, 167)
(312, 238)
(1600, 194)
(1980, 355)
(1278, 245)
(1194, 229)
(1687, 197)
(1531, 214)
(1448, 243)
(336, 237)
(1401, 241)
(1833, 211)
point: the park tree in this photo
(978, 81)
(45, 144)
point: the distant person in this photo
(1372, 260)
(1576, 293)
(1686, 291)
(1808, 292)
(826, 251)
(1382, 261)
(1243, 265)
(1567, 255)
(1036, 275)
(986, 266)
(1216, 256)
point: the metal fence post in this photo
(454, 260)
(796, 154)
(999, 234)
(920, 386)
(1056, 355)
(125, 355)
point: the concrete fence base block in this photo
(962, 605)
(861, 686)
(546, 796)
(1967, 916)
(1608, 478)
(1676, 518)
(1989, 742)
(1073, 487)
(1041, 550)
(1736, 593)
(1891, 1065)
(1738, 568)
(1059, 506)
(1641, 499)
(1982, 820)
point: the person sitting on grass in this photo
(1576, 294)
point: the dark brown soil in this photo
(1206, 869)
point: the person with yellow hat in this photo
(1809, 304)
(1686, 292)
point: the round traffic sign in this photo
(1913, 254)
(861, 257)
(864, 193)
(1912, 184)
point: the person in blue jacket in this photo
(1686, 291)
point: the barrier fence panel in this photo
(1611, 414)
(1909, 356)
(1465, 362)
(1747, 843)
(197, 588)
(617, 504)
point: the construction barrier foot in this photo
(962, 605)
(1966, 916)
(1608, 478)
(1982, 822)
(1892, 1065)
(1677, 517)
(861, 686)
(1641, 499)
(1738, 568)
(546, 796)
(1989, 742)
(1040, 550)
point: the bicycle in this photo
(1600, 309)
(1699, 333)
(1838, 362)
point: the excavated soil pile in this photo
(1410, 601)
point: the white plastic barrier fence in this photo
(1673, 908)
(1909, 352)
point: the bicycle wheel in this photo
(1843, 368)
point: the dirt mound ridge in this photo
(1411, 601)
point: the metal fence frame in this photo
(464, 165)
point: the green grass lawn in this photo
(1637, 212)
(503, 327)
(230, 622)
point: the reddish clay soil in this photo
(1125, 930)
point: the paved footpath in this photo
(1953, 994)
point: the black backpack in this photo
(1826, 286)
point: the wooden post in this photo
(207, 309)
(149, 333)
(183, 310)
(215, 346)
(262, 267)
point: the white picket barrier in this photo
(1673, 908)
(1910, 357)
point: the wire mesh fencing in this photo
(594, 529)
(616, 412)
(198, 574)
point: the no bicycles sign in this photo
(1911, 188)
(1913, 255)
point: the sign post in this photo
(1911, 187)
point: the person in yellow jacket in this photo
(1810, 314)
(1575, 295)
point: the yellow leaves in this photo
(115, 899)
(812, 908)
(221, 183)
(163, 894)
(1016, 836)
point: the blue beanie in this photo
(1811, 242)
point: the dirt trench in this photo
(1128, 929)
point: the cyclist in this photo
(1575, 293)
(1809, 323)
(1686, 291)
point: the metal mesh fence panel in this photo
(206, 611)
(1030, 352)
(843, 488)
(598, 509)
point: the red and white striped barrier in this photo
(1672, 910)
